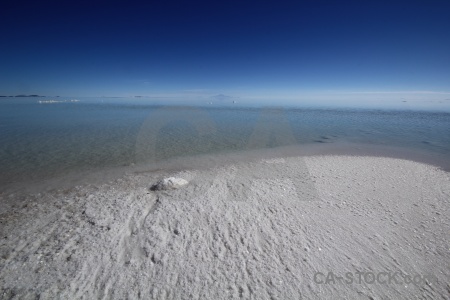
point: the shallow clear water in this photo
(42, 140)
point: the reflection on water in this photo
(39, 140)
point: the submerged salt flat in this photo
(44, 141)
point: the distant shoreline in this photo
(25, 96)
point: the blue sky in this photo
(257, 49)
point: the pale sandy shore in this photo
(272, 229)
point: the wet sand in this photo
(262, 229)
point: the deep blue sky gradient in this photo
(240, 48)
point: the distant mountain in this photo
(222, 97)
(29, 96)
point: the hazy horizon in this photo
(292, 51)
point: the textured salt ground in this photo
(248, 230)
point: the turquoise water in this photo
(43, 140)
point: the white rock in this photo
(169, 184)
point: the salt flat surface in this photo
(259, 230)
